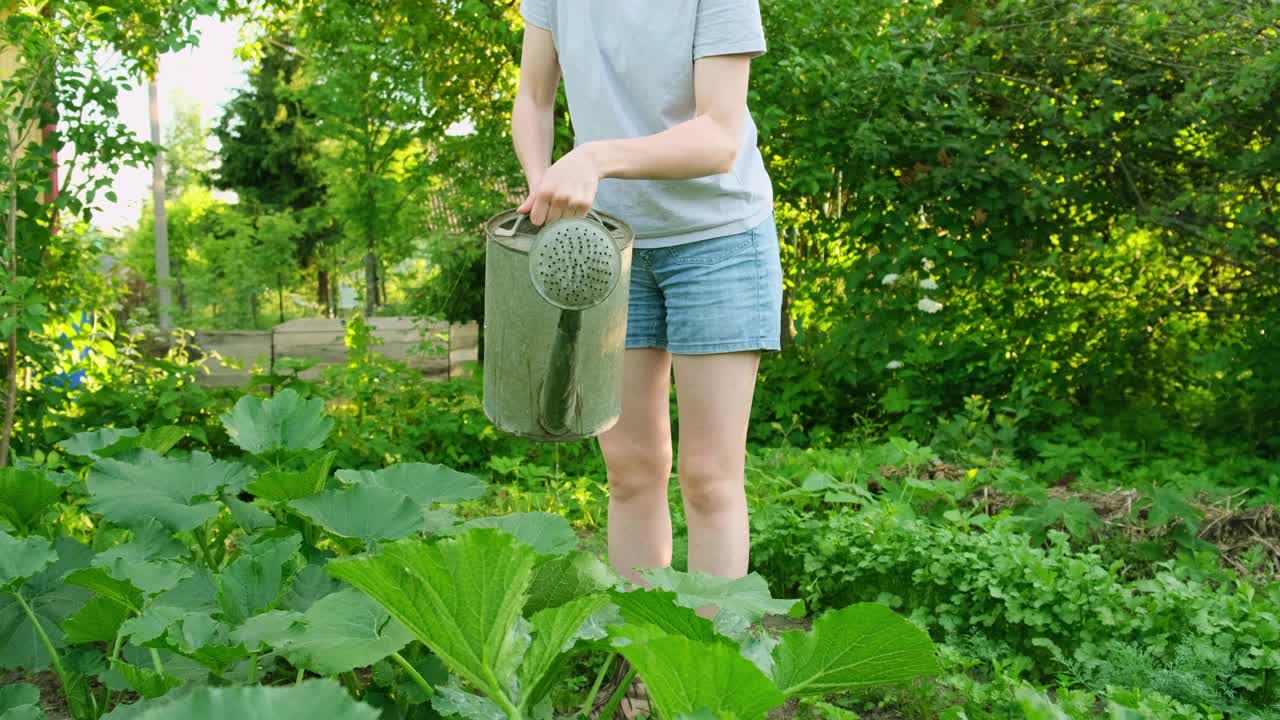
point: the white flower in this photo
(889, 279)
(894, 365)
(929, 305)
(928, 284)
(927, 264)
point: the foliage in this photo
(214, 585)
(966, 575)
(1083, 221)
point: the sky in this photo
(209, 74)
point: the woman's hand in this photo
(566, 189)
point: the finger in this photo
(525, 206)
(538, 214)
(554, 213)
(579, 210)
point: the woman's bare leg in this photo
(637, 453)
(714, 394)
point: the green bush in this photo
(1057, 206)
(974, 576)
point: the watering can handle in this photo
(501, 231)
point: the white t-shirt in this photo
(628, 72)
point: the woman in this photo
(663, 139)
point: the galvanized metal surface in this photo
(551, 374)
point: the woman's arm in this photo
(533, 115)
(707, 144)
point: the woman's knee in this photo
(709, 483)
(636, 468)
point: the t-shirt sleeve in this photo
(728, 27)
(536, 12)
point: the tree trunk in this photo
(11, 343)
(370, 281)
(280, 294)
(162, 227)
(176, 266)
(253, 309)
(322, 289)
(382, 284)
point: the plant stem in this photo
(413, 673)
(618, 693)
(204, 546)
(115, 655)
(299, 680)
(253, 669)
(354, 682)
(595, 687)
(48, 645)
(504, 703)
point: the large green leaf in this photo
(151, 541)
(193, 594)
(310, 700)
(25, 495)
(20, 701)
(338, 633)
(52, 601)
(309, 585)
(22, 558)
(87, 444)
(557, 579)
(248, 516)
(174, 492)
(658, 608)
(684, 675)
(363, 511)
(269, 628)
(860, 646)
(97, 621)
(147, 683)
(287, 421)
(554, 631)
(152, 577)
(257, 579)
(285, 485)
(451, 700)
(110, 442)
(100, 581)
(205, 639)
(424, 483)
(547, 533)
(747, 597)
(460, 596)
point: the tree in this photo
(268, 157)
(384, 81)
(59, 95)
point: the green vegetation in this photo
(1026, 431)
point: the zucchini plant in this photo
(271, 585)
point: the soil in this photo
(1225, 522)
(51, 699)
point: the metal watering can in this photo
(555, 324)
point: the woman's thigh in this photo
(641, 439)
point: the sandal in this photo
(635, 702)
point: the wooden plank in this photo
(323, 340)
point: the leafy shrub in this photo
(971, 576)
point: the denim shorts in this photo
(709, 296)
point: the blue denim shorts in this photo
(709, 296)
